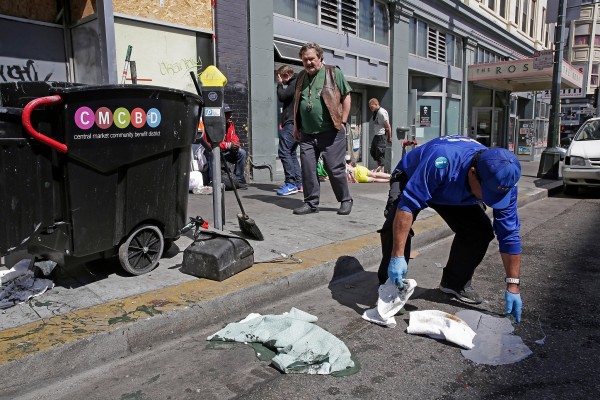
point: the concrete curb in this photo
(132, 338)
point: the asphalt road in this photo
(560, 290)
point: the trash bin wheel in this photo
(142, 250)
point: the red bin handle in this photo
(26, 120)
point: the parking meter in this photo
(213, 116)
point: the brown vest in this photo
(330, 95)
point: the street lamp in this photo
(551, 155)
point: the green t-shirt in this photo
(317, 119)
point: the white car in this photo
(581, 167)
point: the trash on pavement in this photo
(441, 325)
(390, 302)
(302, 346)
(20, 285)
(495, 343)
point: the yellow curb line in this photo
(19, 342)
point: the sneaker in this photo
(300, 188)
(466, 295)
(287, 189)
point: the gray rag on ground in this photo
(18, 285)
(302, 346)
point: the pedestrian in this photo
(359, 174)
(321, 108)
(287, 144)
(382, 133)
(457, 177)
(232, 150)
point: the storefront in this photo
(526, 132)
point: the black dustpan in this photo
(247, 224)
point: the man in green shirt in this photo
(321, 108)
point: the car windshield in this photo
(589, 131)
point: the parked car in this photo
(582, 161)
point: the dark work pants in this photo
(287, 155)
(332, 146)
(473, 233)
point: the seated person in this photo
(358, 173)
(231, 149)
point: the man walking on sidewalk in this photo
(287, 144)
(321, 108)
(382, 133)
(457, 177)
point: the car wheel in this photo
(571, 190)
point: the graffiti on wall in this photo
(20, 72)
(183, 66)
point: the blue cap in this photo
(226, 108)
(500, 171)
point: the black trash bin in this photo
(122, 154)
(29, 180)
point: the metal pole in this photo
(216, 185)
(551, 156)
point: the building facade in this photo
(419, 58)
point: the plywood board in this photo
(163, 55)
(192, 13)
(37, 10)
(81, 9)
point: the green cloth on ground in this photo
(301, 346)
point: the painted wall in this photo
(31, 52)
(164, 56)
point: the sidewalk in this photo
(119, 314)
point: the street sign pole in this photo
(550, 158)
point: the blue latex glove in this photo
(397, 270)
(514, 305)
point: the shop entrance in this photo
(487, 125)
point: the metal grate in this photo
(436, 45)
(349, 16)
(329, 13)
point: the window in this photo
(374, 23)
(381, 23)
(532, 19)
(341, 15)
(502, 8)
(517, 12)
(594, 75)
(421, 39)
(524, 11)
(307, 11)
(284, 7)
(365, 17)
(582, 34)
(453, 87)
(492, 5)
(432, 43)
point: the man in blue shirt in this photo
(456, 176)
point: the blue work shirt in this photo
(437, 174)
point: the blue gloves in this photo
(397, 270)
(514, 305)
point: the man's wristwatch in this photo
(512, 280)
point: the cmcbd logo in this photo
(104, 118)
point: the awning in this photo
(521, 76)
